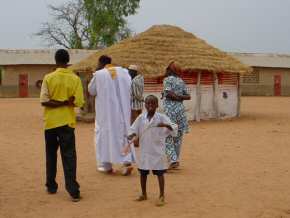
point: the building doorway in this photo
(23, 85)
(277, 85)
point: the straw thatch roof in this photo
(153, 49)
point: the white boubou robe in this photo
(111, 87)
(151, 155)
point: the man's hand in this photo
(70, 101)
(130, 137)
(174, 97)
(55, 104)
(165, 125)
(126, 150)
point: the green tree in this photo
(89, 24)
(107, 20)
(1, 75)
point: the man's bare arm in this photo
(55, 104)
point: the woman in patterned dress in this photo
(174, 93)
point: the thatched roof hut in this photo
(212, 76)
(153, 49)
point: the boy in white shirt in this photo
(152, 128)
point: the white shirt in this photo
(151, 155)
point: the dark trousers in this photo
(64, 138)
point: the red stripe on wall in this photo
(153, 88)
(207, 78)
(228, 78)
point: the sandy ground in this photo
(233, 168)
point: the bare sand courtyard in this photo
(233, 168)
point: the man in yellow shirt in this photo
(61, 92)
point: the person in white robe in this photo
(111, 87)
(152, 128)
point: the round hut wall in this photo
(213, 95)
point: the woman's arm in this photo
(174, 97)
(185, 97)
(168, 85)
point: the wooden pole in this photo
(89, 106)
(198, 98)
(239, 93)
(215, 96)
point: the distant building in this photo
(21, 71)
(271, 76)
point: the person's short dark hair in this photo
(133, 73)
(61, 56)
(153, 97)
(104, 59)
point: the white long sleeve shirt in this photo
(151, 154)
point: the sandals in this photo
(159, 203)
(76, 198)
(127, 171)
(174, 166)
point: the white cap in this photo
(133, 67)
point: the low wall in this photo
(12, 91)
(263, 90)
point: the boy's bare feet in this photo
(160, 202)
(142, 198)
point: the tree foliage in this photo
(88, 23)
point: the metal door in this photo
(277, 85)
(23, 85)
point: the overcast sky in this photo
(231, 25)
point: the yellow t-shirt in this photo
(60, 85)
